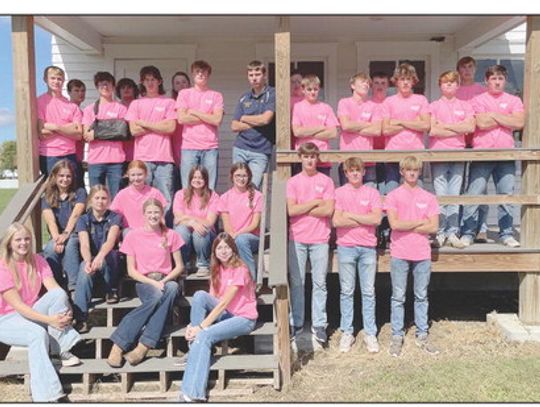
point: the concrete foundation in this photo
(512, 329)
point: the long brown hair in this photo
(162, 226)
(215, 263)
(250, 187)
(189, 191)
(52, 192)
(6, 255)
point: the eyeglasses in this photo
(241, 176)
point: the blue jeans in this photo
(257, 162)
(16, 330)
(85, 284)
(201, 244)
(370, 176)
(66, 262)
(503, 173)
(393, 177)
(106, 174)
(361, 260)
(160, 176)
(380, 171)
(226, 326)
(318, 257)
(207, 158)
(447, 180)
(46, 163)
(399, 271)
(247, 244)
(151, 316)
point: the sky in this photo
(7, 97)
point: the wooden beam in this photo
(285, 156)
(75, 31)
(529, 285)
(283, 93)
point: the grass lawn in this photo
(5, 197)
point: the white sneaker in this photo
(346, 342)
(511, 242)
(455, 241)
(69, 359)
(466, 240)
(372, 344)
(203, 272)
(440, 239)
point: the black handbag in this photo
(110, 129)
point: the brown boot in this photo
(115, 357)
(137, 355)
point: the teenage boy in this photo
(310, 204)
(105, 158)
(497, 114)
(297, 93)
(406, 118)
(468, 88)
(59, 123)
(380, 82)
(254, 122)
(200, 111)
(360, 124)
(152, 122)
(451, 120)
(358, 212)
(314, 121)
(77, 94)
(413, 214)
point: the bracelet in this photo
(202, 328)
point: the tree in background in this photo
(8, 156)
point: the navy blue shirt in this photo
(98, 229)
(259, 139)
(64, 209)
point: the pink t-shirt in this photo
(194, 209)
(101, 151)
(29, 294)
(449, 112)
(306, 114)
(60, 111)
(409, 108)
(244, 303)
(150, 251)
(129, 202)
(236, 204)
(303, 188)
(152, 146)
(202, 136)
(79, 150)
(360, 201)
(498, 137)
(379, 143)
(467, 92)
(177, 143)
(411, 204)
(357, 111)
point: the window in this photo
(305, 68)
(515, 68)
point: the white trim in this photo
(141, 51)
(428, 51)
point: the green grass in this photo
(5, 197)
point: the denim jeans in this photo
(46, 163)
(160, 176)
(66, 262)
(226, 326)
(151, 316)
(380, 171)
(393, 177)
(361, 260)
(370, 176)
(317, 254)
(447, 180)
(503, 173)
(257, 162)
(193, 241)
(207, 158)
(247, 244)
(421, 271)
(85, 284)
(106, 174)
(16, 330)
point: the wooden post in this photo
(529, 283)
(24, 75)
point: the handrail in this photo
(262, 232)
(278, 237)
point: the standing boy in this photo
(254, 122)
(59, 123)
(200, 111)
(77, 94)
(380, 82)
(314, 121)
(497, 114)
(310, 204)
(360, 124)
(413, 214)
(358, 212)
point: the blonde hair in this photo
(405, 71)
(353, 162)
(162, 226)
(449, 76)
(308, 149)
(94, 190)
(6, 255)
(359, 76)
(55, 69)
(410, 163)
(310, 80)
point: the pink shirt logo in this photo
(421, 205)
(366, 115)
(321, 117)
(160, 109)
(364, 202)
(503, 105)
(459, 112)
(415, 108)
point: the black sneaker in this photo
(319, 333)
(294, 331)
(82, 327)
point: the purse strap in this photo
(96, 109)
